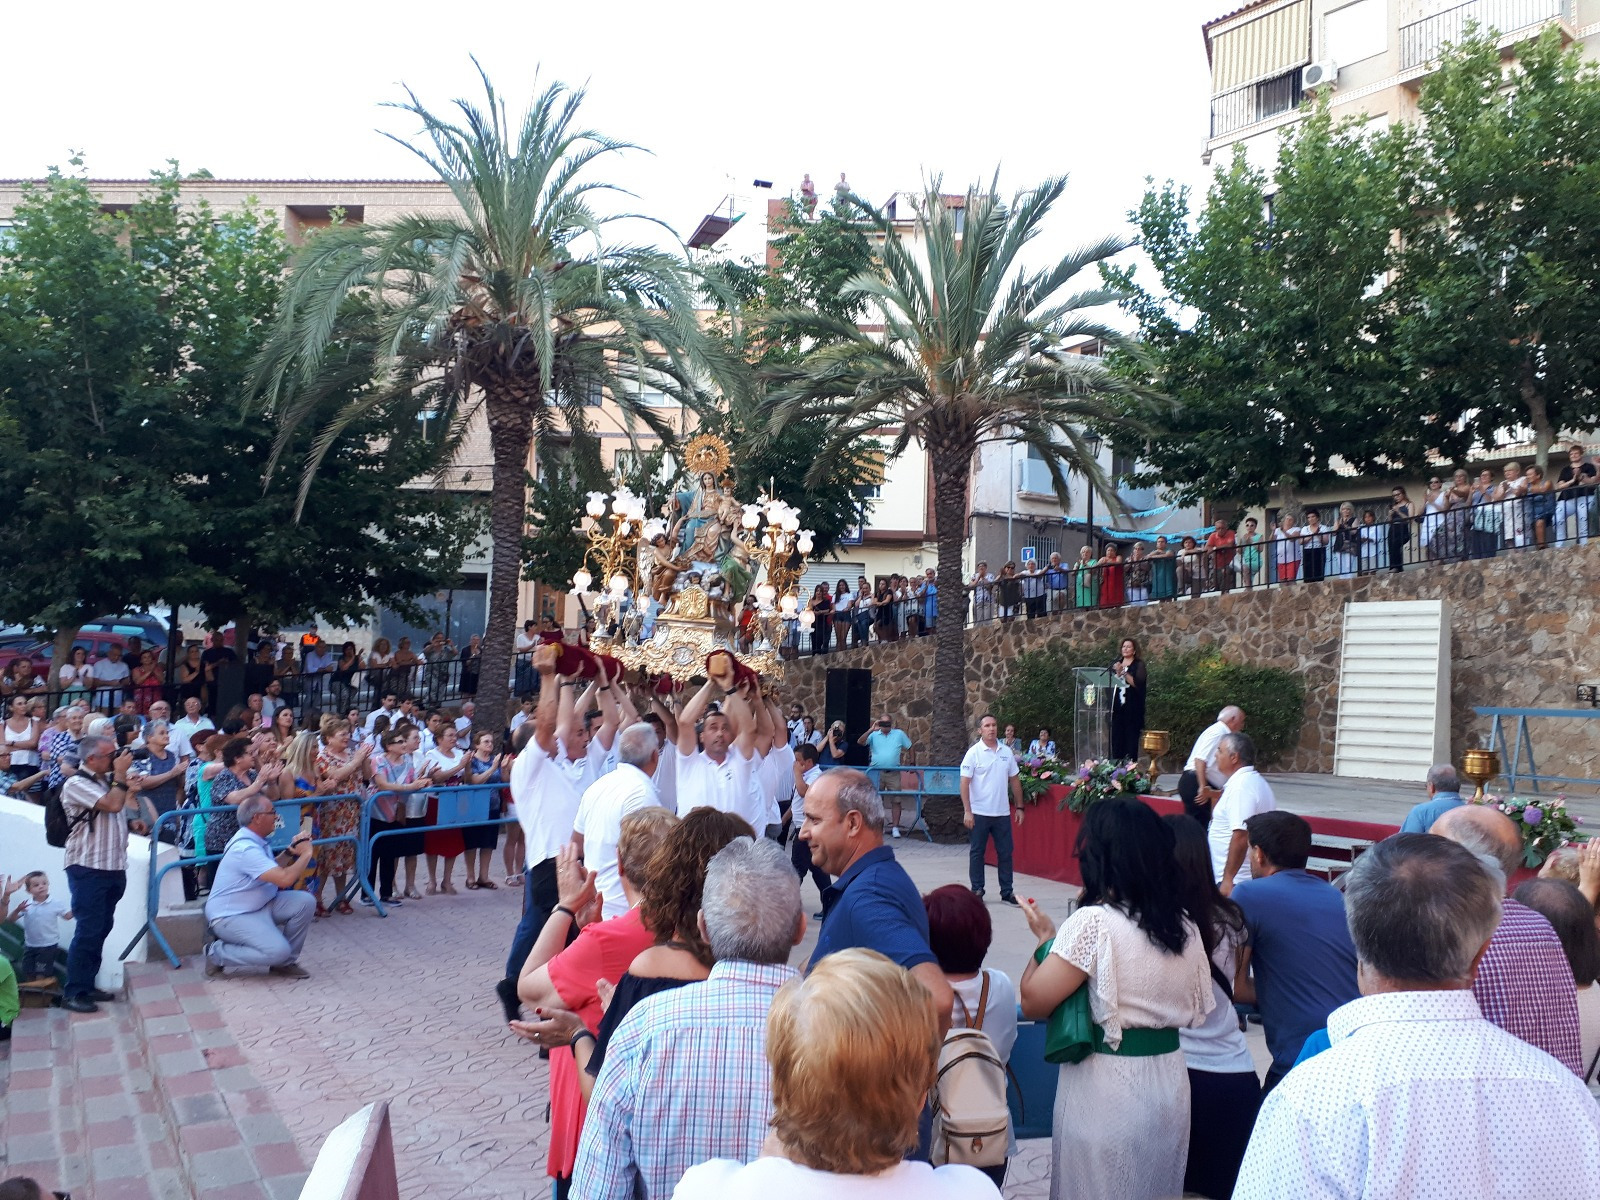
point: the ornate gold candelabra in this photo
(614, 546)
(779, 547)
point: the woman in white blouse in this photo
(845, 1107)
(1119, 1112)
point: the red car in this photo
(41, 652)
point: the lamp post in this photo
(1092, 442)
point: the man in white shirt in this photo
(660, 719)
(795, 724)
(186, 726)
(271, 702)
(388, 706)
(1202, 780)
(598, 825)
(1419, 1095)
(991, 789)
(464, 721)
(1244, 794)
(806, 772)
(548, 779)
(110, 672)
(719, 772)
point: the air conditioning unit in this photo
(1319, 74)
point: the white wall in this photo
(23, 849)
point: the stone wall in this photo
(1523, 629)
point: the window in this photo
(431, 423)
(1122, 465)
(1356, 31)
(646, 394)
(958, 218)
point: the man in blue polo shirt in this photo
(1301, 959)
(258, 922)
(872, 904)
(1444, 793)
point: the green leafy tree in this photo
(142, 478)
(975, 348)
(1266, 325)
(556, 546)
(1498, 291)
(515, 305)
(87, 400)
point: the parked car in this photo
(152, 630)
(43, 652)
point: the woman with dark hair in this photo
(1127, 701)
(191, 676)
(842, 601)
(344, 676)
(1224, 1091)
(1135, 946)
(959, 934)
(1572, 917)
(821, 607)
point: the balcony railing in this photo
(1423, 41)
(1255, 102)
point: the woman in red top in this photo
(558, 975)
(1219, 554)
(1112, 593)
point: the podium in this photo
(1092, 691)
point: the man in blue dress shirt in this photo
(1444, 793)
(258, 923)
(872, 902)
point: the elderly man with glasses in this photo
(257, 921)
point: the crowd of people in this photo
(661, 850)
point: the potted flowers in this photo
(1543, 821)
(1102, 779)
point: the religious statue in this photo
(664, 567)
(698, 505)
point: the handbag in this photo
(1070, 1034)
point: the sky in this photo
(720, 94)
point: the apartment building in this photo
(304, 206)
(1369, 57)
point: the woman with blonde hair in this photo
(845, 1105)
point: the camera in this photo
(141, 754)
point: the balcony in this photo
(1422, 42)
(1254, 103)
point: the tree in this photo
(555, 546)
(1498, 292)
(1266, 326)
(974, 348)
(125, 341)
(515, 305)
(87, 400)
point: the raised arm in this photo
(745, 728)
(552, 699)
(668, 718)
(610, 714)
(581, 707)
(690, 717)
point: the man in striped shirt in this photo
(686, 1077)
(96, 861)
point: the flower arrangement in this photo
(1544, 822)
(1104, 779)
(1039, 774)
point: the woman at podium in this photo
(1128, 681)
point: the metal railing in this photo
(1516, 751)
(1240, 107)
(457, 808)
(1475, 532)
(1424, 41)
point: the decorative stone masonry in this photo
(1523, 629)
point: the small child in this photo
(40, 915)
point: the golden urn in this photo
(1480, 766)
(1155, 743)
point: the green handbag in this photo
(1071, 1035)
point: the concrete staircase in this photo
(148, 1099)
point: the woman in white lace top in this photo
(1122, 1113)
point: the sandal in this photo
(514, 880)
(489, 884)
(472, 885)
(322, 910)
(343, 907)
(448, 889)
(431, 888)
(411, 894)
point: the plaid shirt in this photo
(1524, 985)
(685, 1080)
(99, 842)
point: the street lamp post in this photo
(1092, 442)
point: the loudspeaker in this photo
(849, 699)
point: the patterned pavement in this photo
(401, 1008)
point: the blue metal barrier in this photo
(1033, 1099)
(461, 806)
(1516, 753)
(926, 781)
(289, 812)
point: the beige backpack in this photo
(971, 1119)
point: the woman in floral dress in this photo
(345, 767)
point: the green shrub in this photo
(1187, 688)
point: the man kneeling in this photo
(250, 900)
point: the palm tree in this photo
(974, 349)
(516, 304)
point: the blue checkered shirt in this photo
(685, 1080)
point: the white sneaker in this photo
(894, 831)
